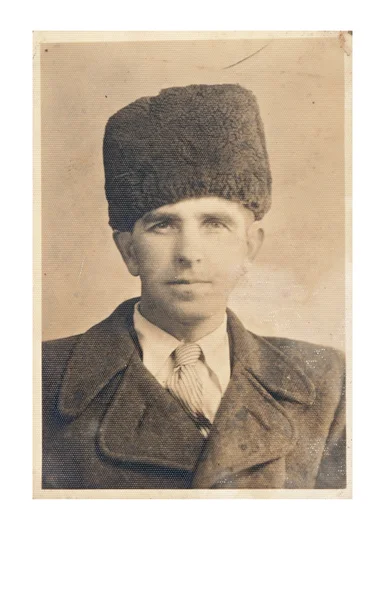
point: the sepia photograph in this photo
(192, 265)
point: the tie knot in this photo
(187, 354)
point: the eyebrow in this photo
(220, 216)
(153, 217)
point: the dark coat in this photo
(108, 423)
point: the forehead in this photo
(196, 207)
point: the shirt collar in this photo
(215, 348)
(157, 345)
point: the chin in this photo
(193, 311)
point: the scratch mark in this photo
(246, 58)
(35, 49)
(345, 42)
(81, 268)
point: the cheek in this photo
(229, 254)
(229, 270)
(152, 259)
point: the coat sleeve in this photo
(332, 471)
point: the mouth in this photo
(187, 281)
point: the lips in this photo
(187, 281)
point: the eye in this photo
(162, 226)
(215, 224)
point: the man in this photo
(171, 391)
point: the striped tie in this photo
(186, 386)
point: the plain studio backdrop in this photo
(296, 288)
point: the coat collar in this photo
(144, 425)
(101, 352)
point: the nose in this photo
(188, 248)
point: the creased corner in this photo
(345, 42)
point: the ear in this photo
(125, 244)
(255, 238)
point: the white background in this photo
(193, 549)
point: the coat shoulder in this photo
(55, 356)
(314, 360)
(58, 351)
(301, 349)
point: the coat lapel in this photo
(146, 425)
(252, 426)
(143, 423)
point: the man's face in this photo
(190, 255)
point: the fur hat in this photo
(187, 142)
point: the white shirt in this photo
(213, 368)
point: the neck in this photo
(189, 330)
